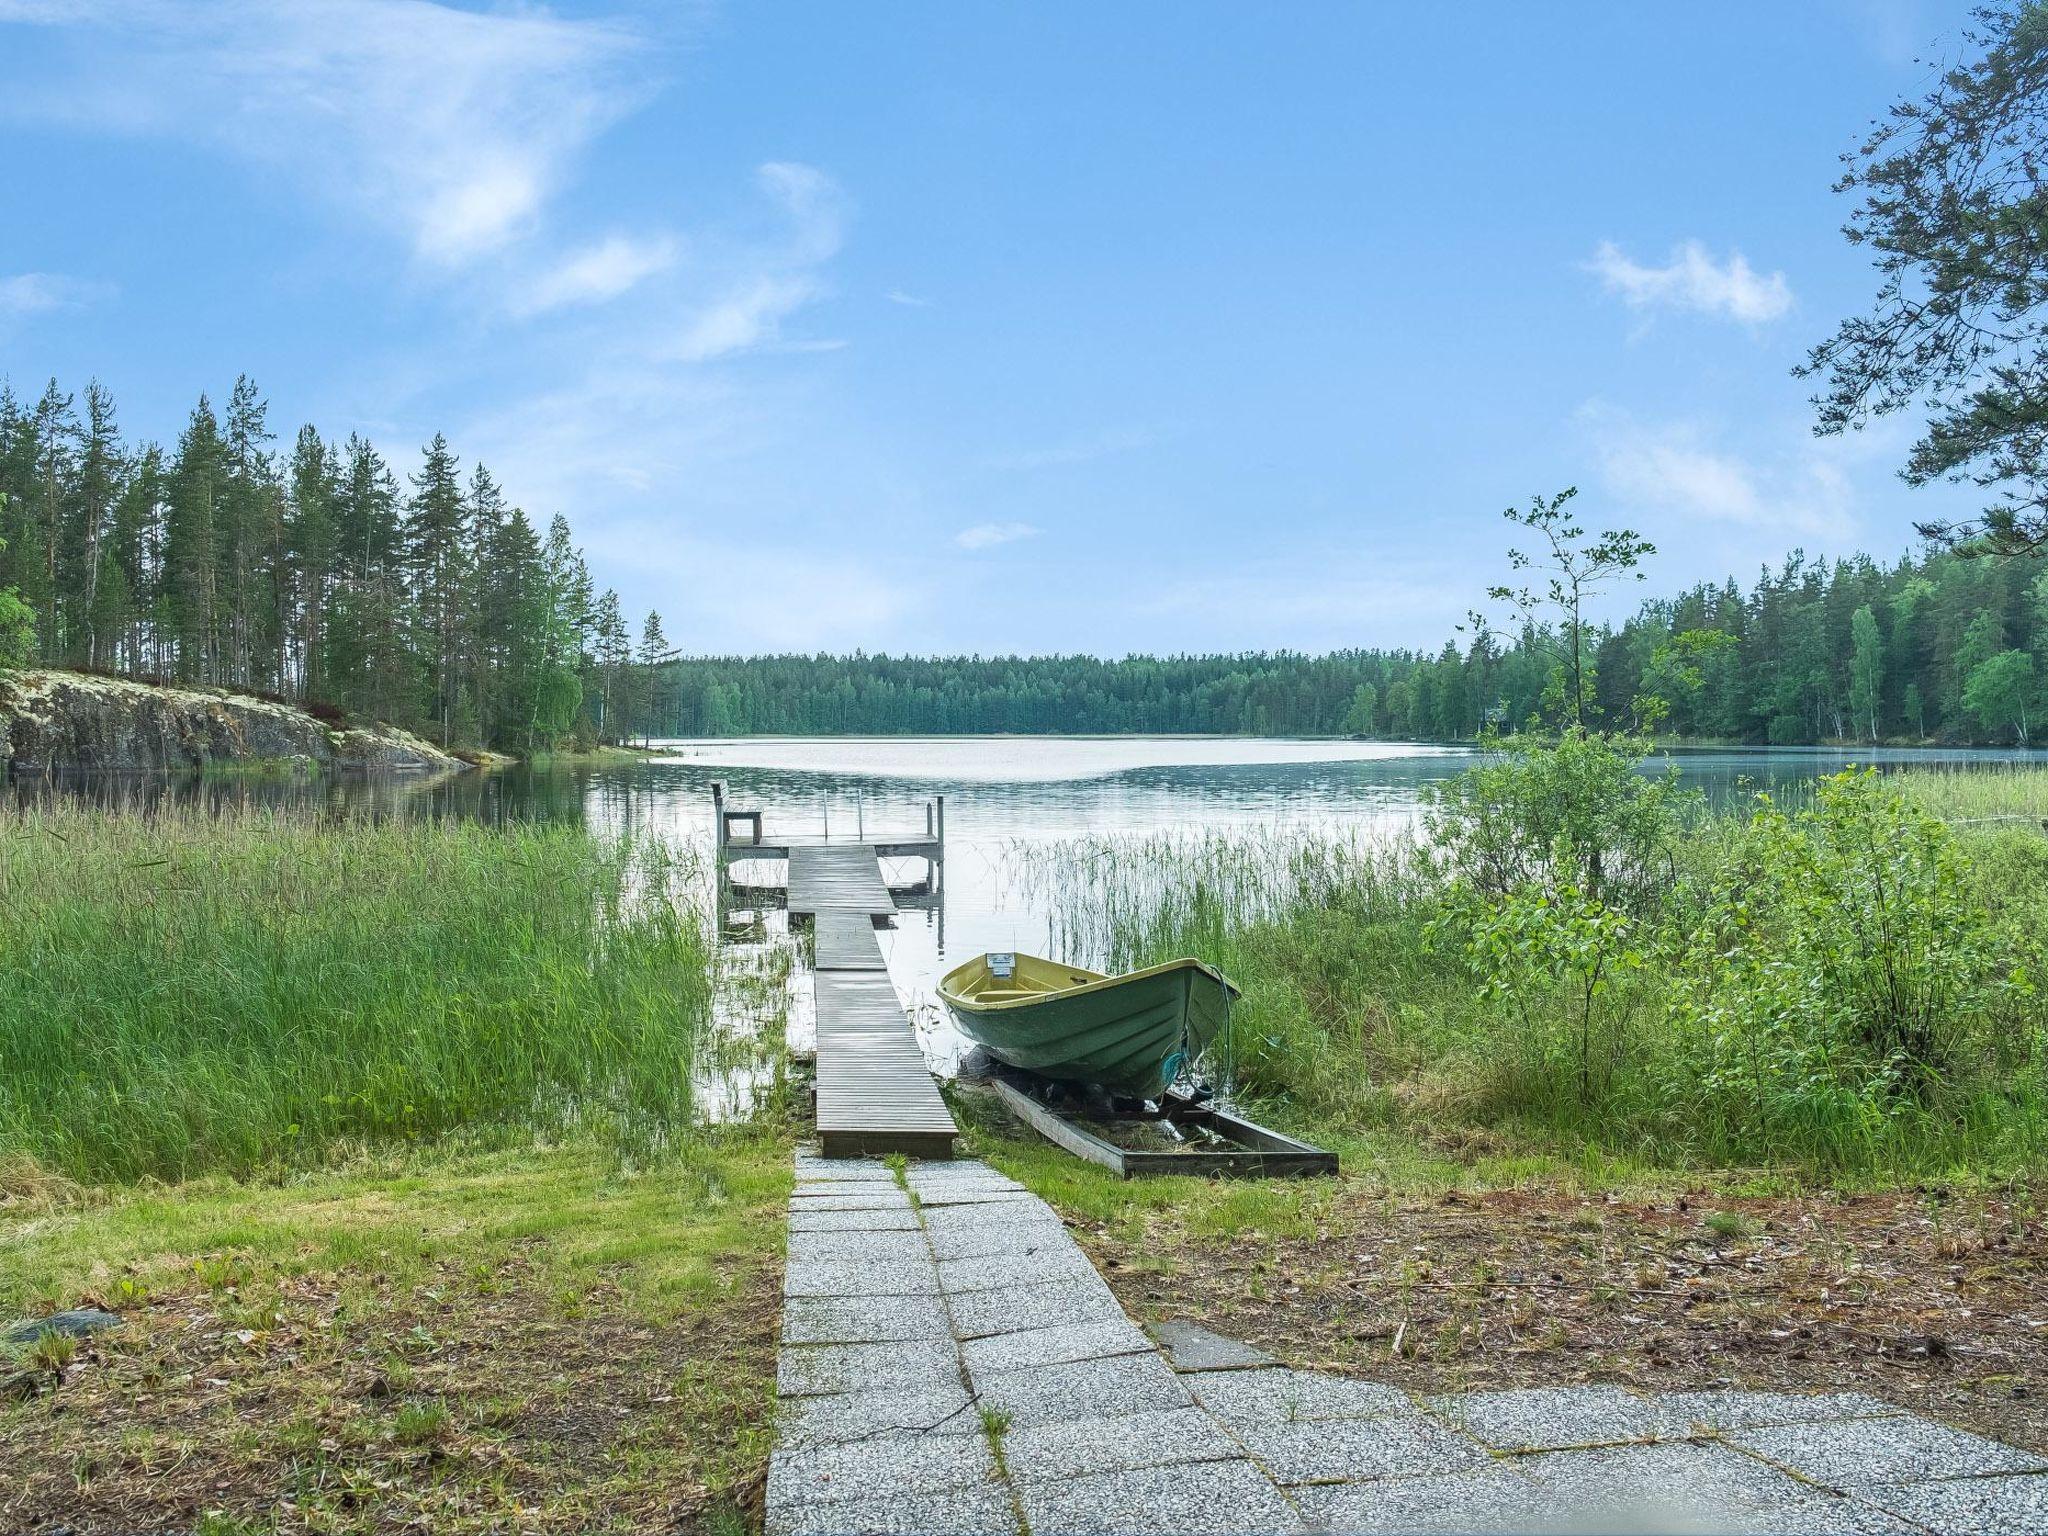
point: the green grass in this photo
(463, 1340)
(192, 992)
(1360, 1032)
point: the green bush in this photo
(1845, 974)
(1577, 813)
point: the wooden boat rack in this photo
(1255, 1151)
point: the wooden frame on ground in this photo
(1259, 1152)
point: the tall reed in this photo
(192, 991)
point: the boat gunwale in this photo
(954, 999)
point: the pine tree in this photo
(248, 534)
(311, 538)
(54, 433)
(191, 570)
(100, 471)
(434, 527)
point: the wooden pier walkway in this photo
(874, 1092)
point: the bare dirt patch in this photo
(474, 1397)
(1936, 1302)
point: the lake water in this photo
(999, 793)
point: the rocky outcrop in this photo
(61, 722)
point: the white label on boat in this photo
(1002, 966)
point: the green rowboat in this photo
(1131, 1034)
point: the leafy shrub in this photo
(1842, 967)
(1553, 957)
(1576, 814)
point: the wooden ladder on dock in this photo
(874, 1092)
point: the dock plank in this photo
(874, 1092)
(845, 941)
(842, 879)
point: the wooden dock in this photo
(874, 1093)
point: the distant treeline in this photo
(315, 573)
(310, 573)
(1940, 648)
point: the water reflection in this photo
(999, 793)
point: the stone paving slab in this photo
(1354, 1450)
(1207, 1497)
(1054, 1345)
(861, 1415)
(988, 1239)
(892, 1219)
(813, 1370)
(1050, 1262)
(863, 1319)
(962, 1512)
(858, 1277)
(1081, 1390)
(1013, 1308)
(1863, 1453)
(1547, 1418)
(941, 1197)
(842, 1170)
(1970, 1504)
(969, 1213)
(1493, 1500)
(1280, 1396)
(1191, 1347)
(1166, 1437)
(1753, 1410)
(848, 1197)
(884, 1247)
(874, 1468)
(1695, 1486)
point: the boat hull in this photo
(1131, 1034)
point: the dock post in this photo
(939, 868)
(718, 814)
(927, 821)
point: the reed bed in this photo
(1361, 1013)
(189, 992)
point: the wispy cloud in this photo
(1676, 468)
(744, 318)
(1082, 451)
(748, 312)
(907, 300)
(597, 273)
(36, 293)
(1693, 280)
(987, 535)
(452, 126)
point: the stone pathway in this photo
(952, 1362)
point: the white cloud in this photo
(749, 310)
(1693, 280)
(36, 293)
(987, 535)
(597, 273)
(452, 126)
(1674, 468)
(744, 318)
(907, 300)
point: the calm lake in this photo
(999, 793)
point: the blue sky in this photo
(1069, 326)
